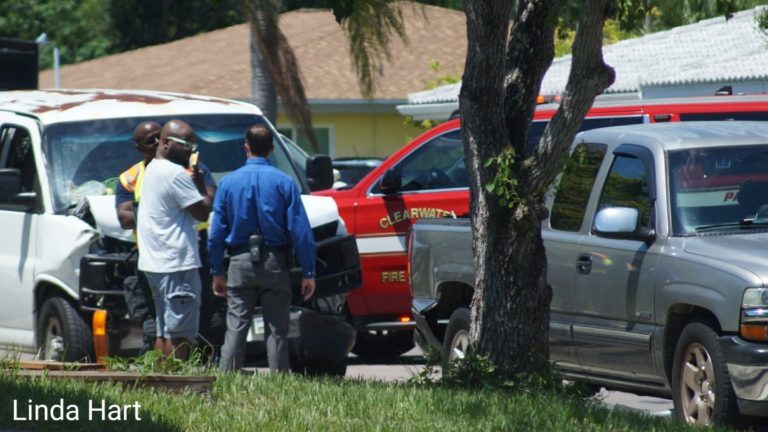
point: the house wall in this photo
(368, 134)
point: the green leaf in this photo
(503, 202)
(490, 187)
(488, 162)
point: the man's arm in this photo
(124, 205)
(216, 242)
(201, 209)
(125, 215)
(303, 240)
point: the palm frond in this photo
(370, 26)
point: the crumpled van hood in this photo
(320, 210)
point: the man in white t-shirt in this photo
(171, 203)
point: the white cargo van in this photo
(63, 255)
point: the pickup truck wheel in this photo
(456, 342)
(701, 385)
(384, 346)
(62, 334)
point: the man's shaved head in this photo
(179, 129)
(146, 135)
(177, 151)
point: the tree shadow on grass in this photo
(71, 405)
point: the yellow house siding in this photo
(363, 134)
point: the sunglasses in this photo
(189, 145)
(151, 141)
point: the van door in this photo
(19, 217)
(431, 181)
(614, 285)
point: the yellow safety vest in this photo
(133, 179)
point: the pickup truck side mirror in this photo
(390, 182)
(10, 184)
(319, 172)
(622, 223)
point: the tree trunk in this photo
(275, 70)
(263, 93)
(510, 307)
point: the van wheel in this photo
(319, 367)
(701, 386)
(383, 346)
(62, 334)
(456, 341)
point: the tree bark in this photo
(510, 307)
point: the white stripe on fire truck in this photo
(367, 245)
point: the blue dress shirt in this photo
(260, 193)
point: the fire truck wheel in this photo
(62, 334)
(377, 345)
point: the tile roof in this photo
(218, 63)
(715, 49)
(711, 50)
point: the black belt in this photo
(241, 249)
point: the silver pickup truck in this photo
(657, 250)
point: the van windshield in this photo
(85, 158)
(719, 189)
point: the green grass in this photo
(295, 403)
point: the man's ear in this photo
(247, 149)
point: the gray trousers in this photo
(249, 284)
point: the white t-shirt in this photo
(166, 231)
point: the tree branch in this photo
(589, 77)
(530, 53)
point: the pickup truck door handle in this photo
(584, 263)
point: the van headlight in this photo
(754, 315)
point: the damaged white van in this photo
(63, 256)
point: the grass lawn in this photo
(295, 403)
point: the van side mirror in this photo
(622, 223)
(319, 172)
(10, 184)
(390, 182)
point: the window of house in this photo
(324, 136)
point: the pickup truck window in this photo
(718, 189)
(437, 164)
(627, 186)
(575, 186)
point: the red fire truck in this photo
(427, 178)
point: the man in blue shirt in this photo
(259, 199)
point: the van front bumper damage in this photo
(748, 367)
